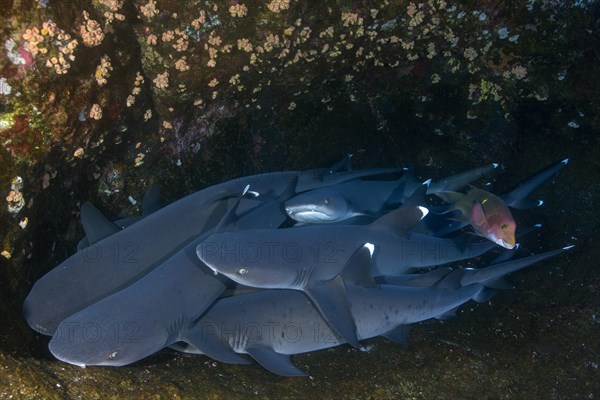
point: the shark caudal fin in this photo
(492, 276)
(517, 198)
(460, 180)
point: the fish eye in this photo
(326, 201)
(242, 271)
(113, 355)
(503, 226)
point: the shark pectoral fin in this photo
(358, 270)
(399, 334)
(96, 225)
(151, 200)
(277, 363)
(331, 299)
(206, 338)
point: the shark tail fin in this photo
(460, 180)
(488, 276)
(517, 198)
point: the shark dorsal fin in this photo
(358, 270)
(95, 224)
(229, 219)
(405, 218)
(151, 200)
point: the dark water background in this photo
(540, 340)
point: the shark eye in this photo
(113, 355)
(326, 201)
(242, 271)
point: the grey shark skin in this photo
(365, 197)
(123, 257)
(152, 313)
(271, 325)
(311, 259)
(319, 278)
(155, 311)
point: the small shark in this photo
(367, 197)
(271, 325)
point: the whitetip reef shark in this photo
(368, 197)
(271, 325)
(312, 258)
(158, 309)
(118, 257)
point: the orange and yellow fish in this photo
(487, 213)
